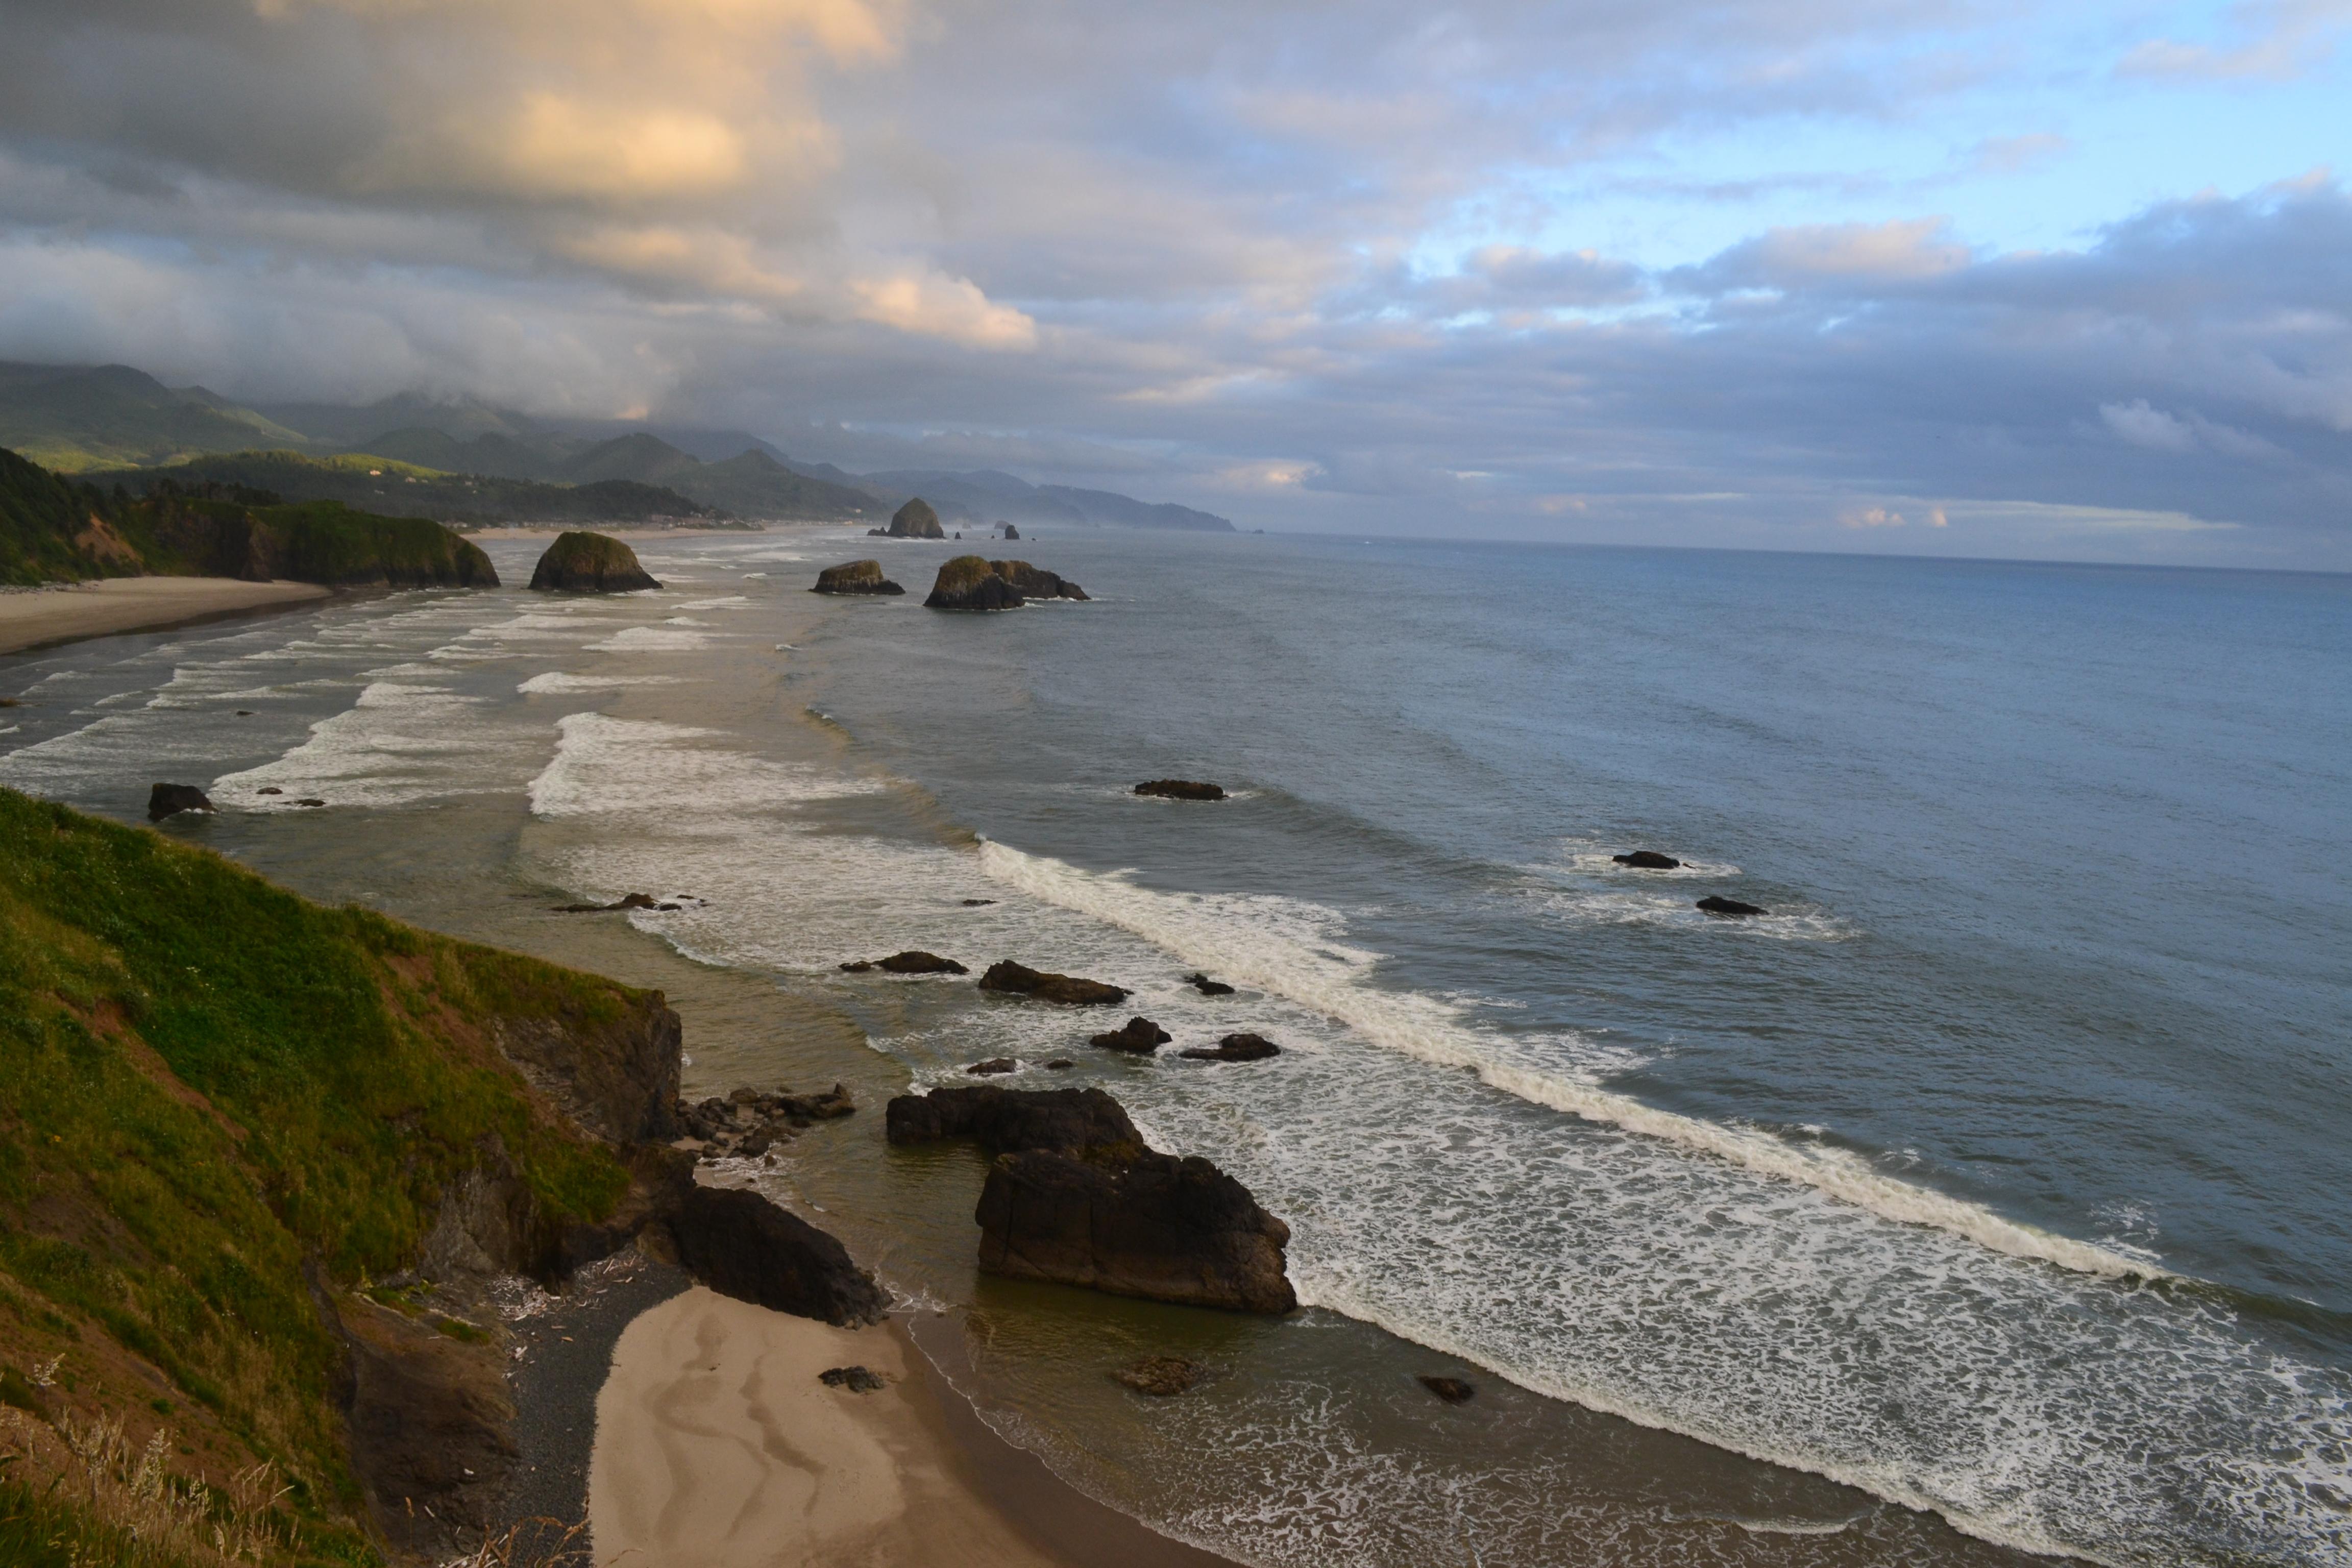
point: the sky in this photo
(1953, 276)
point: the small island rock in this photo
(1140, 1037)
(916, 519)
(855, 577)
(1647, 860)
(969, 583)
(1714, 905)
(1180, 789)
(583, 562)
(1011, 531)
(914, 961)
(1019, 980)
(1235, 1049)
(1208, 987)
(994, 1066)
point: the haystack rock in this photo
(1035, 582)
(1011, 531)
(856, 577)
(1720, 906)
(969, 583)
(1020, 980)
(166, 799)
(1180, 789)
(583, 562)
(1076, 1198)
(1647, 860)
(916, 519)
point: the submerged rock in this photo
(916, 519)
(1034, 582)
(855, 577)
(1235, 1049)
(1019, 980)
(1208, 987)
(170, 799)
(857, 1379)
(626, 902)
(1161, 1376)
(1451, 1390)
(1140, 1037)
(1002, 1121)
(1180, 789)
(969, 583)
(1720, 906)
(1060, 1064)
(740, 1245)
(1647, 860)
(583, 562)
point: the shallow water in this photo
(1996, 1173)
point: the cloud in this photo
(2278, 42)
(1835, 256)
(2010, 154)
(2142, 426)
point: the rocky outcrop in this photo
(1019, 980)
(969, 583)
(1011, 531)
(583, 562)
(1715, 905)
(1647, 860)
(1208, 987)
(747, 1123)
(169, 799)
(1075, 1197)
(914, 961)
(740, 1245)
(1147, 1225)
(856, 577)
(1235, 1049)
(1036, 583)
(1140, 1037)
(916, 519)
(614, 1071)
(1180, 789)
(1002, 1120)
(430, 1426)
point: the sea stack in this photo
(856, 577)
(1011, 531)
(1034, 582)
(916, 519)
(969, 583)
(583, 562)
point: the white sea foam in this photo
(562, 681)
(396, 744)
(651, 639)
(732, 602)
(1335, 980)
(604, 766)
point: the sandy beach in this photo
(44, 616)
(718, 1447)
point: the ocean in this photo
(1984, 1198)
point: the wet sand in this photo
(716, 1446)
(45, 615)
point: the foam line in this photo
(1330, 981)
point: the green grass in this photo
(211, 1088)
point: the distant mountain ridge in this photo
(78, 419)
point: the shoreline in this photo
(44, 617)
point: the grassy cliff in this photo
(381, 484)
(223, 1110)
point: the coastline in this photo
(716, 1446)
(41, 617)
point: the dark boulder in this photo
(1002, 1121)
(748, 1123)
(1208, 987)
(1140, 1038)
(857, 1379)
(1034, 582)
(583, 562)
(1451, 1390)
(166, 799)
(994, 1066)
(1147, 1225)
(969, 583)
(1180, 789)
(740, 1245)
(1060, 1064)
(1011, 531)
(1161, 1376)
(856, 577)
(1647, 860)
(916, 519)
(626, 902)
(1235, 1049)
(1721, 905)
(1019, 980)
(914, 961)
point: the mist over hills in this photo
(83, 419)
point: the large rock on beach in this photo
(1647, 860)
(916, 519)
(1035, 582)
(740, 1245)
(1148, 1225)
(1007, 1121)
(970, 583)
(855, 577)
(169, 799)
(583, 562)
(1020, 980)
(1140, 1037)
(1715, 905)
(1180, 789)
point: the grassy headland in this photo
(371, 483)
